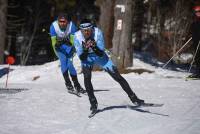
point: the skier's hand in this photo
(66, 40)
(63, 40)
(85, 46)
(59, 40)
(91, 43)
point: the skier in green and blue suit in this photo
(61, 31)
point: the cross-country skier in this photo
(61, 31)
(89, 44)
(195, 29)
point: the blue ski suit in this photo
(62, 43)
(97, 55)
(65, 51)
(92, 58)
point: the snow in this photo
(46, 107)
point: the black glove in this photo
(63, 40)
(59, 42)
(98, 51)
(85, 47)
(84, 55)
(90, 43)
(66, 40)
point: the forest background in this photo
(157, 27)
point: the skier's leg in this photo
(87, 72)
(124, 84)
(108, 66)
(68, 82)
(77, 85)
(74, 77)
(64, 70)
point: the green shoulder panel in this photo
(53, 43)
(71, 37)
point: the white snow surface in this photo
(47, 108)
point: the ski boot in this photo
(80, 89)
(135, 100)
(77, 86)
(94, 105)
(71, 90)
(93, 110)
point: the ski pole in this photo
(176, 53)
(7, 75)
(9, 60)
(110, 53)
(193, 58)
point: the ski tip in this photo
(150, 105)
(154, 105)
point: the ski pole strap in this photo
(176, 53)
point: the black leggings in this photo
(118, 78)
(114, 74)
(87, 72)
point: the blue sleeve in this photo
(78, 46)
(100, 40)
(52, 31)
(74, 28)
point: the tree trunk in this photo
(138, 22)
(28, 45)
(122, 40)
(106, 20)
(3, 12)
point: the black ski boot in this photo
(93, 108)
(77, 86)
(94, 104)
(72, 90)
(68, 84)
(135, 100)
(80, 89)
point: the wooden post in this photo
(122, 40)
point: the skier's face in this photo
(62, 23)
(197, 11)
(87, 33)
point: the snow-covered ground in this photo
(47, 108)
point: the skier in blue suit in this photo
(61, 31)
(89, 44)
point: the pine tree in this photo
(3, 12)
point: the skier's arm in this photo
(97, 51)
(84, 55)
(95, 48)
(53, 43)
(53, 39)
(80, 49)
(71, 39)
(99, 46)
(71, 35)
